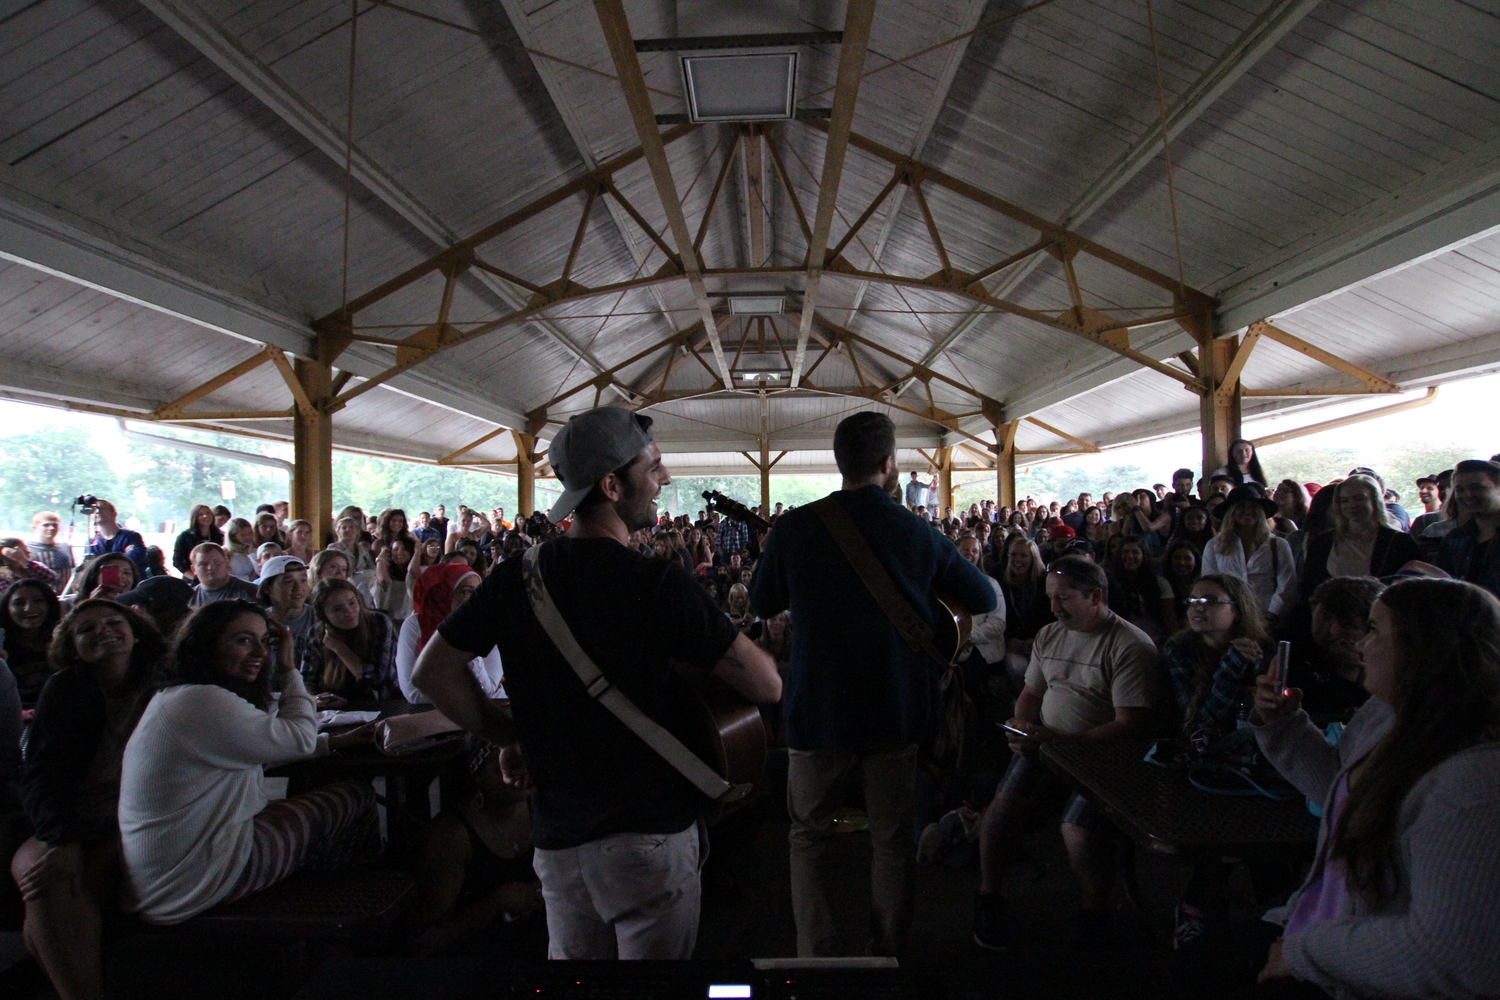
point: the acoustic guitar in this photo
(953, 625)
(727, 733)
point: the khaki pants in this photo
(626, 896)
(813, 777)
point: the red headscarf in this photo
(433, 596)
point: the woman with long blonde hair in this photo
(1245, 548)
(1362, 541)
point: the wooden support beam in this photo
(1325, 390)
(300, 398)
(896, 178)
(858, 17)
(525, 473)
(640, 220)
(448, 458)
(1005, 463)
(757, 208)
(616, 27)
(219, 381)
(1261, 440)
(1377, 383)
(1084, 446)
(225, 415)
(1011, 261)
(1218, 413)
(583, 225)
(945, 480)
(932, 229)
(713, 198)
(1231, 381)
(996, 204)
(986, 459)
(312, 449)
(791, 191)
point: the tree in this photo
(168, 481)
(46, 469)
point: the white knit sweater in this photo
(191, 785)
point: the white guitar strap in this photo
(666, 746)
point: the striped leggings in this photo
(327, 827)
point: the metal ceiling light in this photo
(758, 376)
(756, 305)
(742, 86)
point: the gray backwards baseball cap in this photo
(591, 446)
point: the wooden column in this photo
(312, 444)
(765, 461)
(525, 473)
(1005, 463)
(945, 479)
(1218, 411)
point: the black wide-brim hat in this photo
(1246, 492)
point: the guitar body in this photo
(954, 625)
(727, 733)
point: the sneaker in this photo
(1188, 926)
(929, 845)
(989, 922)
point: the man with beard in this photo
(858, 696)
(617, 846)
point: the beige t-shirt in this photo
(1084, 676)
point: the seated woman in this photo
(1138, 595)
(738, 606)
(29, 611)
(1024, 586)
(1326, 664)
(395, 578)
(196, 827)
(353, 654)
(440, 591)
(105, 577)
(1197, 526)
(476, 875)
(106, 656)
(239, 542)
(1401, 897)
(1212, 661)
(1364, 540)
(299, 540)
(1180, 568)
(268, 529)
(201, 528)
(347, 531)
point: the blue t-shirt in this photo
(853, 682)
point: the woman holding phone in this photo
(1401, 898)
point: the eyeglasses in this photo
(1208, 602)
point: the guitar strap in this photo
(655, 736)
(908, 622)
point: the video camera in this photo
(87, 503)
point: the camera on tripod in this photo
(88, 503)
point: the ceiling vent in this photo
(756, 305)
(740, 87)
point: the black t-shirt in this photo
(631, 614)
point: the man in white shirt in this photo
(1093, 676)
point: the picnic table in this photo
(406, 776)
(1162, 812)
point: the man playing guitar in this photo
(617, 847)
(856, 691)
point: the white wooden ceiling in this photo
(173, 193)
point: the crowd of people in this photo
(153, 692)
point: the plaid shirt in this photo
(733, 536)
(1234, 671)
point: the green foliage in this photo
(377, 483)
(46, 469)
(166, 481)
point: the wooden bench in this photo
(324, 905)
